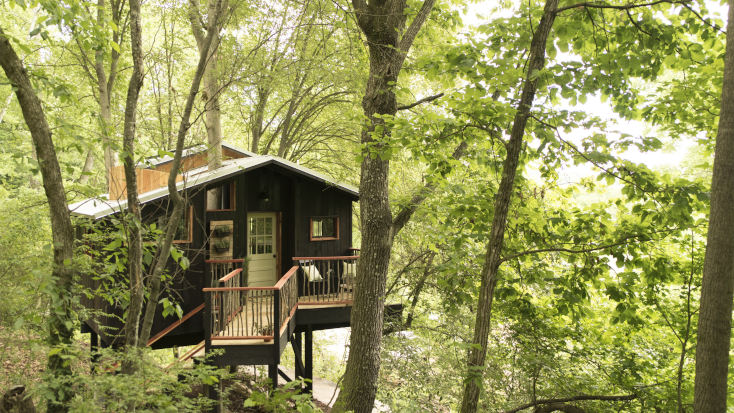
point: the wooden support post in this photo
(94, 348)
(298, 355)
(214, 393)
(273, 375)
(309, 359)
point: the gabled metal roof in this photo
(99, 207)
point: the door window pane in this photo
(268, 244)
(260, 226)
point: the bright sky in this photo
(595, 107)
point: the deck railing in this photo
(327, 280)
(249, 313)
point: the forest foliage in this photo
(598, 277)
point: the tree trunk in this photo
(211, 85)
(16, 400)
(263, 94)
(717, 289)
(179, 203)
(6, 106)
(104, 86)
(61, 316)
(492, 260)
(382, 24)
(133, 215)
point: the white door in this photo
(261, 248)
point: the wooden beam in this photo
(309, 359)
(174, 325)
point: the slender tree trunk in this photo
(263, 93)
(61, 320)
(6, 106)
(179, 203)
(492, 260)
(211, 84)
(133, 221)
(717, 289)
(104, 86)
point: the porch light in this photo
(264, 196)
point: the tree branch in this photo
(424, 100)
(415, 26)
(404, 216)
(606, 6)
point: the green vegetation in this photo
(500, 203)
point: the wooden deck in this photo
(242, 328)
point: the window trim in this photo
(336, 226)
(232, 199)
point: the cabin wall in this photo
(296, 198)
(320, 200)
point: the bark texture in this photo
(382, 23)
(61, 315)
(717, 289)
(179, 203)
(133, 218)
(16, 400)
(493, 258)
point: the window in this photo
(184, 231)
(261, 235)
(324, 228)
(221, 198)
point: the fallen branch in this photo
(572, 399)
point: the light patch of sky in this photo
(673, 154)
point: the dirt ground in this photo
(23, 360)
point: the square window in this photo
(185, 226)
(324, 228)
(221, 198)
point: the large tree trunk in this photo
(382, 23)
(133, 215)
(61, 315)
(717, 289)
(492, 260)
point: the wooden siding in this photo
(148, 180)
(198, 160)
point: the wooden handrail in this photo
(346, 257)
(285, 278)
(223, 261)
(215, 289)
(354, 249)
(230, 275)
(174, 325)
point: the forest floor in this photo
(23, 360)
(237, 401)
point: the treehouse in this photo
(291, 228)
